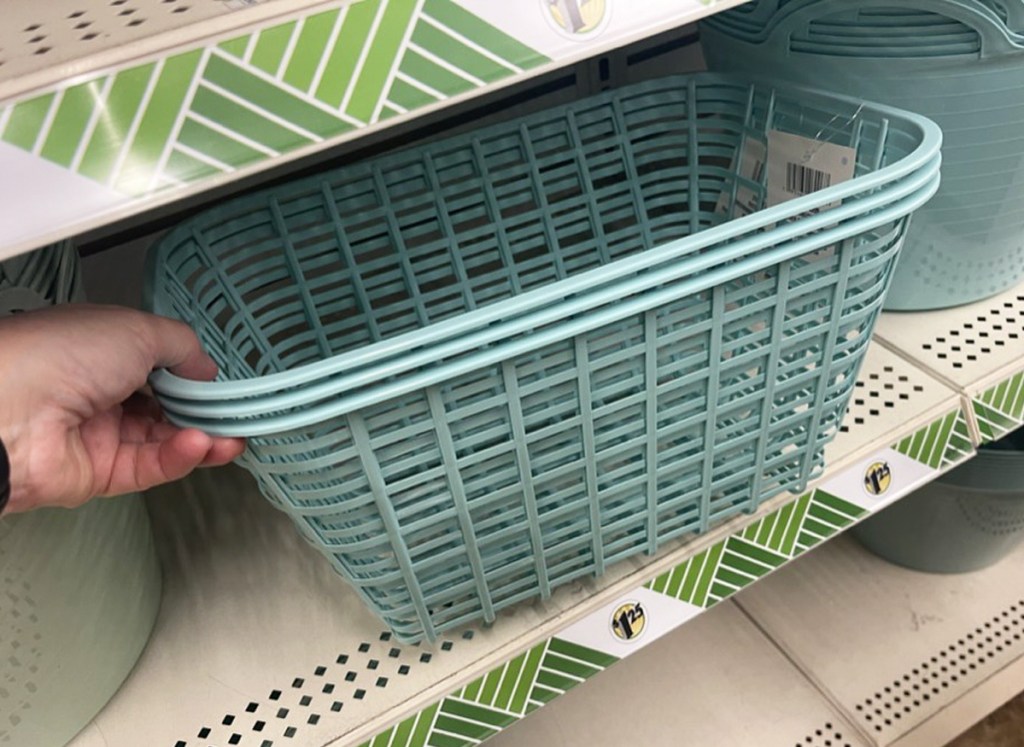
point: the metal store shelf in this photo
(718, 681)
(258, 643)
(886, 656)
(113, 109)
(911, 658)
(257, 638)
(977, 348)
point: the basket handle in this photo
(996, 39)
(758, 11)
(1014, 10)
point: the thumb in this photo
(175, 346)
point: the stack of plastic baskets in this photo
(479, 369)
(40, 278)
(80, 588)
(958, 62)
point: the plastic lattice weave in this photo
(626, 374)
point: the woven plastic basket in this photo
(968, 243)
(476, 370)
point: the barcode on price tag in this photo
(799, 166)
(802, 180)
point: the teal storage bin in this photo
(965, 520)
(80, 588)
(954, 61)
(476, 370)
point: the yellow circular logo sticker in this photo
(576, 17)
(877, 478)
(629, 621)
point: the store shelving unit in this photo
(113, 108)
(270, 638)
(839, 648)
(118, 109)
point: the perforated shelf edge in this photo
(978, 349)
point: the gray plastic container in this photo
(966, 520)
(79, 589)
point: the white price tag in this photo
(629, 623)
(878, 480)
(799, 166)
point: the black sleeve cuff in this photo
(5, 477)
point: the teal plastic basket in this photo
(968, 243)
(893, 30)
(476, 370)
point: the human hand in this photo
(72, 417)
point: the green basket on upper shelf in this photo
(475, 370)
(958, 62)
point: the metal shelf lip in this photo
(548, 648)
(52, 44)
(247, 91)
(675, 691)
(868, 639)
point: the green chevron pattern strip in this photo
(827, 515)
(564, 666)
(486, 706)
(412, 732)
(1000, 409)
(507, 687)
(960, 445)
(943, 442)
(727, 566)
(214, 110)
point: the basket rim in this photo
(325, 408)
(929, 142)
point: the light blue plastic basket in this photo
(476, 370)
(967, 243)
(893, 29)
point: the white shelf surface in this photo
(911, 658)
(977, 349)
(829, 649)
(114, 109)
(249, 609)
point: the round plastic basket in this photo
(968, 243)
(965, 520)
(888, 28)
(81, 588)
(476, 370)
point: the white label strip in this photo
(876, 481)
(631, 622)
